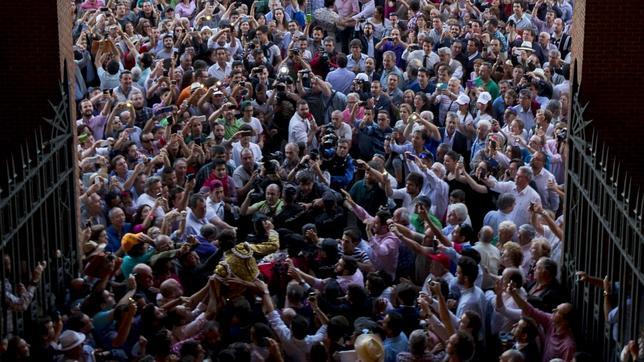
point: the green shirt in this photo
(230, 129)
(265, 209)
(491, 87)
(419, 226)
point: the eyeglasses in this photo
(146, 140)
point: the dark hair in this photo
(299, 327)
(416, 178)
(396, 322)
(341, 60)
(475, 322)
(469, 269)
(194, 199)
(453, 155)
(350, 264)
(113, 67)
(464, 346)
(353, 234)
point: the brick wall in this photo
(33, 51)
(608, 41)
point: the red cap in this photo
(441, 258)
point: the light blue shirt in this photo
(395, 345)
(341, 79)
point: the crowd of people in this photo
(317, 180)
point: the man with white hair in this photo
(505, 204)
(434, 186)
(445, 56)
(482, 130)
(490, 255)
(523, 193)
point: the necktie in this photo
(425, 61)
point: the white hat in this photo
(70, 340)
(527, 46)
(462, 100)
(539, 73)
(363, 77)
(484, 98)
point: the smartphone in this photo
(104, 9)
(190, 176)
(469, 84)
(167, 63)
(163, 110)
(410, 157)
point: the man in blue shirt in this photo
(396, 340)
(341, 78)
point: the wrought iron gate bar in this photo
(603, 237)
(38, 217)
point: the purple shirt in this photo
(556, 345)
(384, 247)
(96, 124)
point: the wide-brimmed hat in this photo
(69, 340)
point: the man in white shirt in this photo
(302, 126)
(294, 339)
(215, 206)
(196, 217)
(244, 142)
(523, 194)
(153, 190)
(222, 67)
(490, 255)
(542, 177)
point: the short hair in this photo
(194, 199)
(355, 43)
(504, 201)
(528, 229)
(353, 234)
(417, 342)
(469, 268)
(512, 355)
(350, 263)
(444, 50)
(527, 172)
(464, 346)
(484, 123)
(550, 266)
(151, 181)
(396, 322)
(341, 60)
(513, 252)
(416, 178)
(460, 209)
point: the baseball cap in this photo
(128, 241)
(462, 100)
(440, 258)
(363, 77)
(484, 98)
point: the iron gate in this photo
(38, 218)
(603, 238)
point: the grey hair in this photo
(505, 200)
(529, 230)
(403, 214)
(151, 181)
(460, 209)
(508, 225)
(527, 171)
(445, 50)
(417, 342)
(113, 211)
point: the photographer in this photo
(340, 166)
(325, 58)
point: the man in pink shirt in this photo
(384, 244)
(559, 341)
